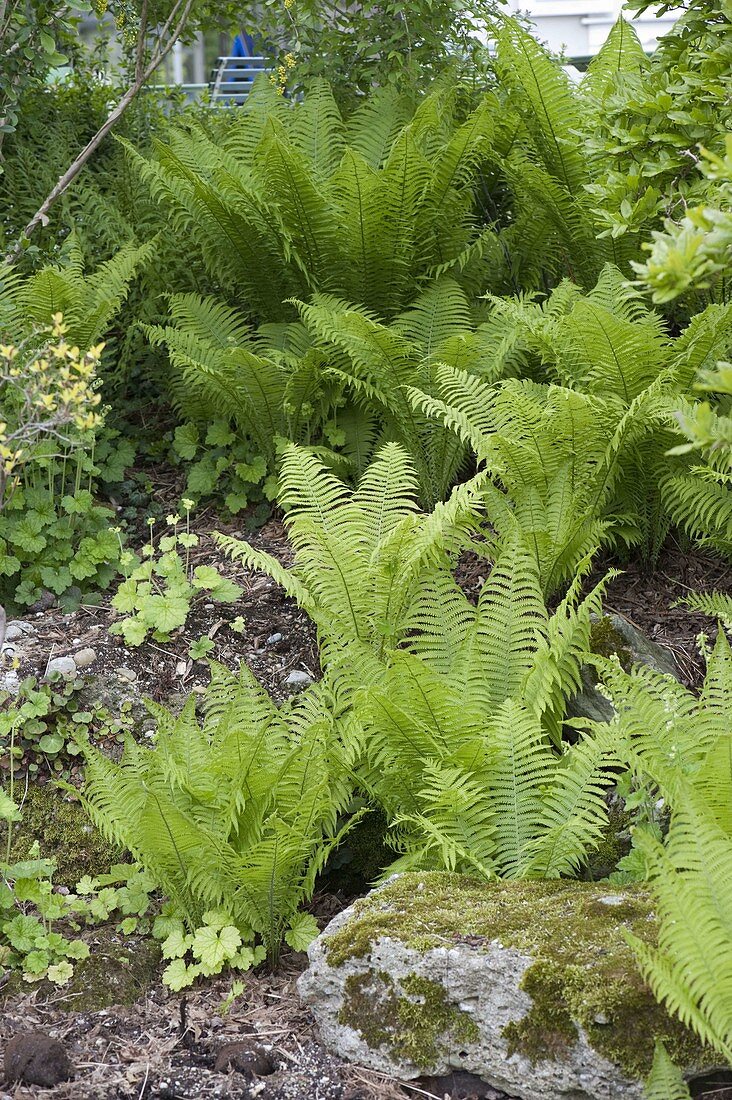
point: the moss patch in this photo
(414, 1020)
(584, 973)
(63, 832)
(606, 641)
(613, 845)
(119, 970)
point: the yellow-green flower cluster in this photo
(49, 391)
(280, 76)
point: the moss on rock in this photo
(413, 1019)
(607, 641)
(64, 832)
(583, 972)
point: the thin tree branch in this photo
(41, 215)
(141, 36)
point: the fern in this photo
(665, 1081)
(586, 462)
(361, 556)
(715, 604)
(546, 449)
(292, 200)
(459, 746)
(239, 813)
(267, 382)
(678, 745)
(87, 302)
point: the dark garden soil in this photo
(647, 599)
(166, 1045)
(276, 638)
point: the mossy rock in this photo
(532, 986)
(63, 832)
(614, 636)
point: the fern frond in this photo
(620, 53)
(665, 1081)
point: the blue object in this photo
(243, 45)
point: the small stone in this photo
(16, 628)
(299, 679)
(274, 639)
(612, 899)
(10, 682)
(124, 673)
(65, 665)
(85, 657)
(245, 1057)
(34, 1058)
(180, 668)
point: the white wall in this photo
(581, 26)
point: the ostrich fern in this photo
(679, 745)
(362, 556)
(376, 363)
(462, 739)
(586, 460)
(239, 812)
(292, 200)
(87, 302)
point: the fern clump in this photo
(582, 459)
(87, 302)
(678, 745)
(236, 813)
(462, 741)
(292, 198)
(363, 556)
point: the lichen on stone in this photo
(583, 973)
(412, 1019)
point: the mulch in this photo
(166, 1045)
(647, 599)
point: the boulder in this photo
(531, 986)
(615, 635)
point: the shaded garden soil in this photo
(165, 1045)
(647, 597)
(162, 670)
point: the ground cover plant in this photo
(465, 325)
